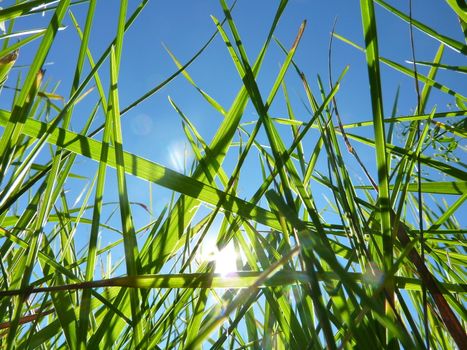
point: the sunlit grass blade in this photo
(376, 94)
(239, 299)
(20, 9)
(459, 9)
(129, 237)
(20, 112)
(150, 171)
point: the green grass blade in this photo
(20, 112)
(440, 187)
(374, 77)
(129, 236)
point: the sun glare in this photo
(224, 259)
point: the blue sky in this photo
(184, 26)
(153, 129)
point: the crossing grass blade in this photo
(20, 9)
(28, 91)
(149, 171)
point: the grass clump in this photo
(332, 249)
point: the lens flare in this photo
(141, 125)
(180, 155)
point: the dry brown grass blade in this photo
(449, 318)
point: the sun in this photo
(225, 260)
